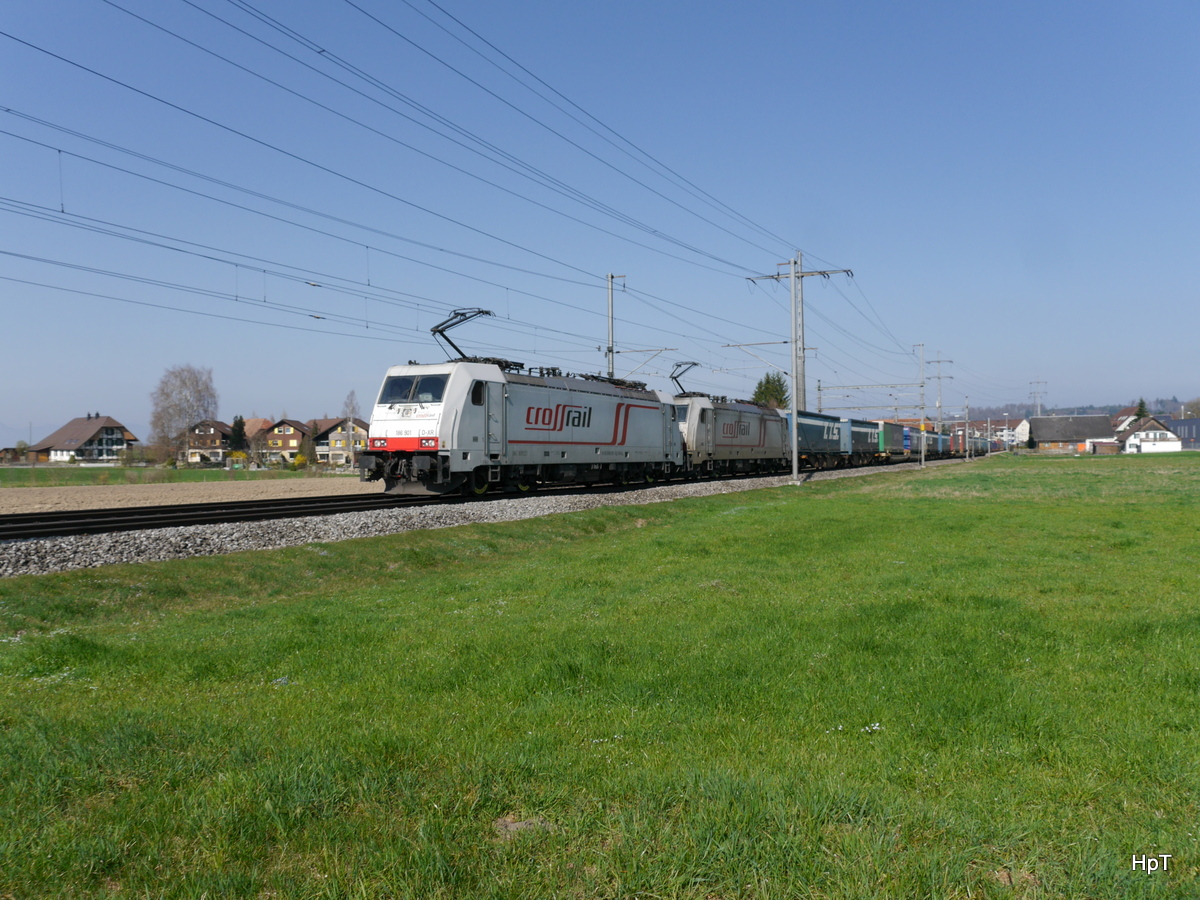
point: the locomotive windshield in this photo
(413, 389)
(429, 388)
(396, 389)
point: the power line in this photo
(339, 220)
(540, 123)
(680, 181)
(586, 200)
(297, 157)
(196, 312)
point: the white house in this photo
(1149, 435)
(1008, 431)
(91, 438)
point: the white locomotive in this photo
(470, 426)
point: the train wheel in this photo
(477, 484)
(650, 476)
(525, 484)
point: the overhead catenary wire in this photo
(537, 121)
(348, 287)
(440, 160)
(697, 192)
(298, 158)
(340, 220)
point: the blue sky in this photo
(1014, 185)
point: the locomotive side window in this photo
(681, 412)
(703, 416)
(477, 393)
(429, 388)
(396, 389)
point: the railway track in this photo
(23, 526)
(26, 526)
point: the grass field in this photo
(65, 476)
(968, 682)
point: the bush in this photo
(299, 461)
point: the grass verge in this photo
(973, 681)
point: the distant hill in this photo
(1025, 410)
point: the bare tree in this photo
(185, 395)
(350, 412)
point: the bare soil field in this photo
(50, 499)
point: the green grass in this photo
(972, 681)
(65, 476)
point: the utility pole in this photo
(611, 356)
(799, 388)
(939, 376)
(921, 381)
(1037, 395)
(967, 425)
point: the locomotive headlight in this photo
(430, 443)
(379, 442)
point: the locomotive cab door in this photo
(704, 432)
(472, 425)
(495, 440)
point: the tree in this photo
(185, 395)
(350, 413)
(1142, 412)
(772, 391)
(350, 407)
(237, 435)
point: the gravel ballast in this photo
(41, 556)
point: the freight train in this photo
(475, 425)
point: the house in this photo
(1149, 435)
(1124, 419)
(1069, 434)
(281, 440)
(1188, 431)
(15, 455)
(1006, 431)
(330, 440)
(90, 438)
(206, 441)
(256, 436)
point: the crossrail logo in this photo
(564, 415)
(557, 417)
(738, 434)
